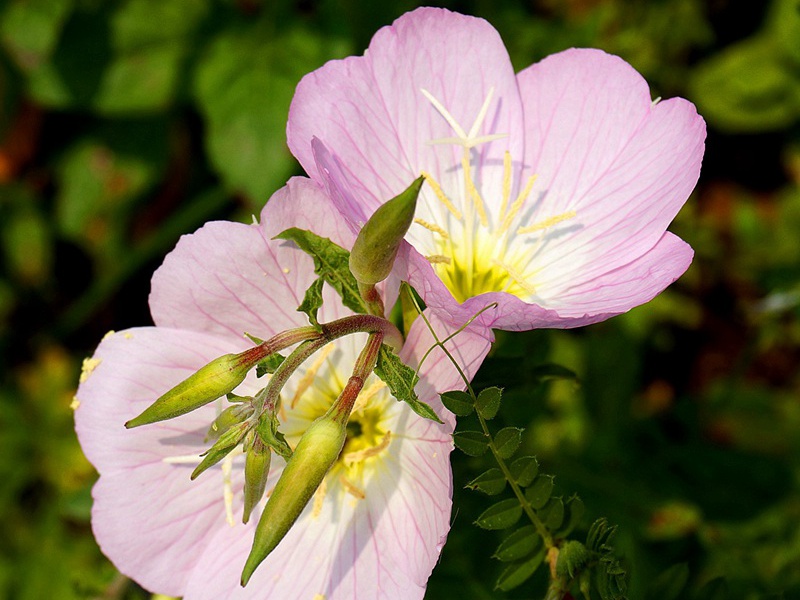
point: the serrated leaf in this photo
(459, 403)
(507, 441)
(573, 509)
(501, 515)
(331, 262)
(519, 572)
(669, 584)
(492, 482)
(539, 492)
(471, 443)
(488, 402)
(312, 301)
(269, 364)
(524, 470)
(519, 545)
(552, 513)
(401, 380)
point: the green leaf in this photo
(669, 584)
(501, 515)
(245, 107)
(401, 380)
(573, 512)
(269, 364)
(459, 403)
(524, 470)
(330, 263)
(312, 301)
(472, 443)
(552, 513)
(539, 493)
(489, 402)
(507, 441)
(600, 533)
(519, 545)
(30, 29)
(519, 572)
(492, 482)
(746, 87)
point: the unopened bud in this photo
(256, 471)
(233, 415)
(212, 381)
(376, 246)
(314, 455)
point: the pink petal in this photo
(228, 279)
(148, 517)
(601, 148)
(371, 113)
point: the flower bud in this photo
(314, 455)
(233, 415)
(216, 379)
(256, 471)
(376, 246)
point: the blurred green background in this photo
(125, 124)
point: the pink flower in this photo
(377, 528)
(549, 191)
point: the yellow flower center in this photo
(476, 250)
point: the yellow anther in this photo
(75, 403)
(361, 455)
(438, 259)
(89, 365)
(107, 335)
(506, 183)
(473, 191)
(441, 195)
(319, 597)
(319, 498)
(351, 488)
(432, 227)
(308, 378)
(518, 203)
(548, 222)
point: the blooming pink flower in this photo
(549, 191)
(377, 528)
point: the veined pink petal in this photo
(227, 279)
(148, 517)
(372, 115)
(602, 149)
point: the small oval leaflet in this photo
(492, 482)
(519, 572)
(459, 403)
(539, 493)
(520, 544)
(501, 515)
(524, 470)
(471, 443)
(489, 402)
(507, 441)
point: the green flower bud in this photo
(314, 455)
(233, 415)
(212, 381)
(572, 558)
(376, 246)
(256, 471)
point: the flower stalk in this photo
(315, 454)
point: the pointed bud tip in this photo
(376, 245)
